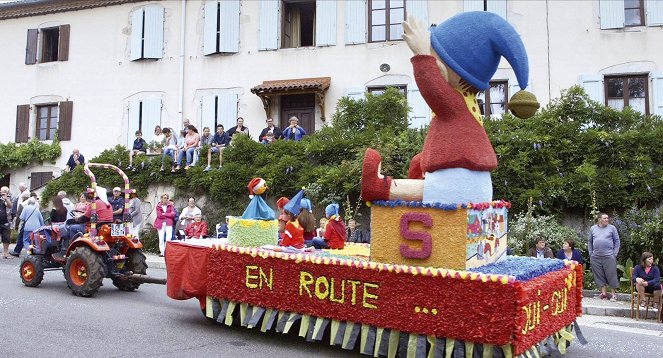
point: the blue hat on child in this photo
(306, 204)
(294, 205)
(331, 210)
(472, 43)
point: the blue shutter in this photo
(593, 85)
(229, 36)
(228, 110)
(133, 120)
(208, 112)
(497, 7)
(210, 36)
(325, 22)
(268, 25)
(151, 114)
(657, 92)
(153, 44)
(356, 14)
(418, 9)
(136, 35)
(472, 5)
(420, 114)
(355, 93)
(611, 13)
(654, 9)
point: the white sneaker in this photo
(207, 168)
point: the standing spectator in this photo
(647, 278)
(5, 226)
(59, 211)
(335, 234)
(569, 252)
(206, 137)
(219, 142)
(191, 140)
(188, 213)
(135, 213)
(20, 200)
(67, 203)
(239, 128)
(117, 203)
(164, 222)
(222, 230)
(76, 158)
(139, 147)
(158, 135)
(16, 201)
(31, 219)
(197, 228)
(170, 148)
(603, 246)
(271, 128)
(294, 131)
(540, 251)
(355, 234)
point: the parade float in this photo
(436, 280)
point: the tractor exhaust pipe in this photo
(136, 277)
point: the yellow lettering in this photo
(526, 309)
(368, 295)
(354, 291)
(321, 281)
(331, 292)
(268, 281)
(250, 278)
(305, 279)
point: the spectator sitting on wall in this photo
(76, 158)
(239, 128)
(139, 147)
(219, 142)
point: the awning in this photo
(316, 85)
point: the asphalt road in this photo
(50, 321)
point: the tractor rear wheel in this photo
(85, 271)
(32, 270)
(136, 263)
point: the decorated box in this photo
(252, 233)
(456, 236)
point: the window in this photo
(634, 13)
(632, 91)
(378, 90)
(221, 27)
(47, 121)
(384, 20)
(147, 33)
(495, 6)
(39, 179)
(492, 102)
(144, 115)
(298, 24)
(218, 109)
(49, 44)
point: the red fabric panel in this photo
(186, 266)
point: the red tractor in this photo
(90, 257)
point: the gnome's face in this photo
(450, 75)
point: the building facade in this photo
(92, 72)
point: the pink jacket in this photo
(166, 216)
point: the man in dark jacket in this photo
(540, 250)
(220, 141)
(271, 128)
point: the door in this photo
(301, 106)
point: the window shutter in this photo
(228, 110)
(210, 36)
(22, 123)
(63, 46)
(229, 36)
(657, 91)
(419, 114)
(64, 120)
(654, 9)
(31, 47)
(593, 85)
(497, 7)
(151, 116)
(136, 35)
(611, 13)
(208, 113)
(355, 93)
(134, 122)
(153, 44)
(356, 14)
(418, 9)
(472, 5)
(268, 25)
(325, 23)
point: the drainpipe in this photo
(181, 84)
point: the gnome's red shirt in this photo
(455, 138)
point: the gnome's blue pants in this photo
(457, 185)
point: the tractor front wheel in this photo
(136, 263)
(85, 271)
(32, 270)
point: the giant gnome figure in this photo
(452, 63)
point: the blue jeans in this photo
(320, 243)
(189, 156)
(26, 238)
(19, 242)
(168, 152)
(71, 230)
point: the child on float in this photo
(307, 221)
(335, 235)
(293, 233)
(283, 219)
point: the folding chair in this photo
(636, 299)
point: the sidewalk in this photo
(621, 308)
(154, 261)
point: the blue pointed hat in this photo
(294, 204)
(306, 204)
(472, 43)
(331, 210)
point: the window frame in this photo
(642, 14)
(373, 89)
(485, 107)
(50, 39)
(626, 96)
(387, 20)
(287, 9)
(49, 117)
